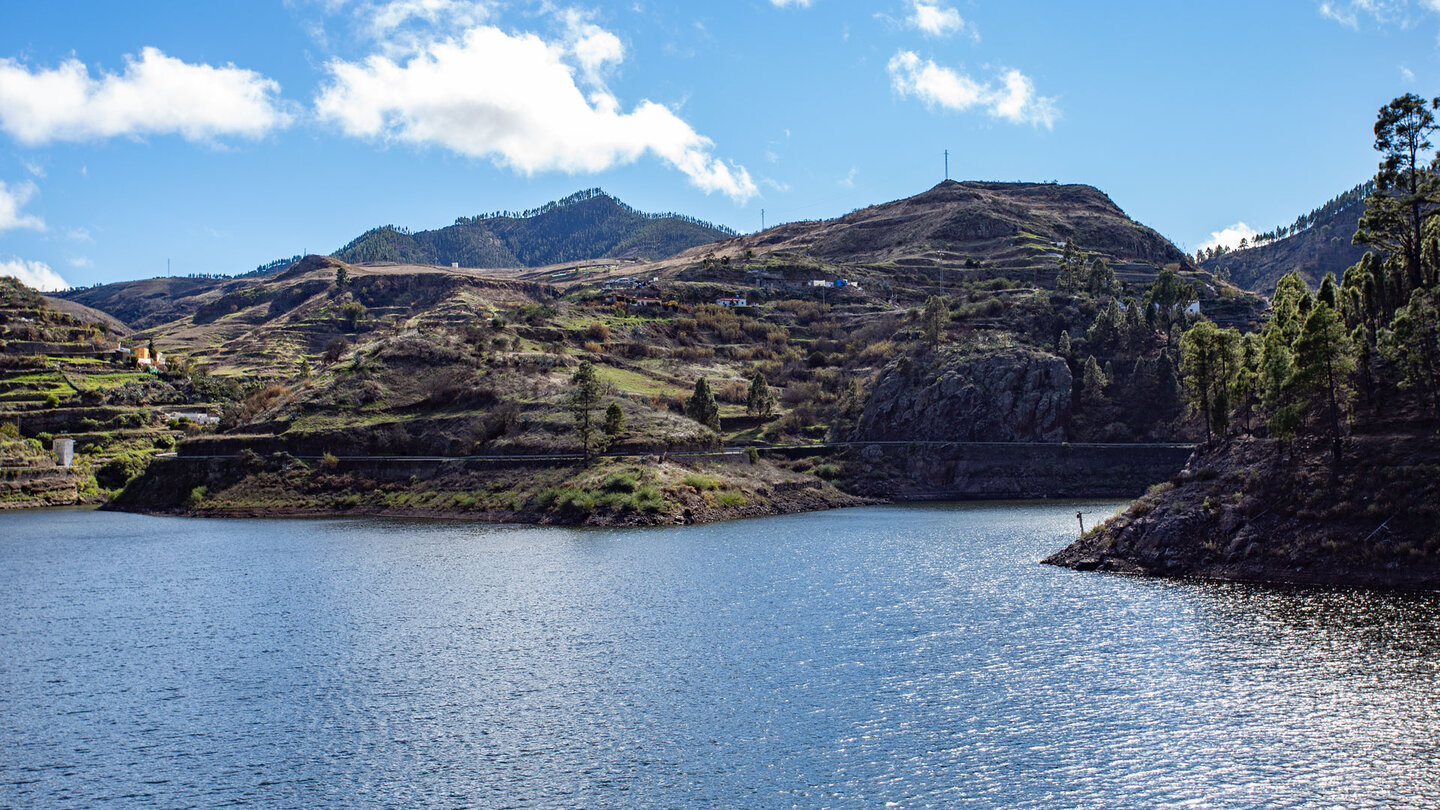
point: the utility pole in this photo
(947, 164)
(762, 219)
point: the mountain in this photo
(949, 328)
(1316, 244)
(955, 225)
(587, 225)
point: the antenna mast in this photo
(762, 219)
(947, 164)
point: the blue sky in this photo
(221, 135)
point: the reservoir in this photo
(903, 656)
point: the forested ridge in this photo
(589, 224)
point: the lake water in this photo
(893, 656)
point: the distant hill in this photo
(997, 222)
(587, 225)
(1316, 244)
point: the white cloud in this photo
(1014, 100)
(33, 274)
(790, 3)
(848, 181)
(79, 235)
(12, 199)
(34, 168)
(1407, 75)
(934, 18)
(775, 185)
(593, 47)
(1385, 12)
(156, 95)
(81, 261)
(514, 99)
(1230, 237)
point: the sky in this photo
(144, 138)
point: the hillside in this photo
(1322, 246)
(586, 225)
(961, 320)
(60, 376)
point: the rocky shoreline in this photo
(1257, 510)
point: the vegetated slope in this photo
(586, 225)
(148, 302)
(1006, 227)
(59, 376)
(426, 360)
(1322, 246)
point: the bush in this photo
(752, 454)
(9, 430)
(626, 481)
(731, 499)
(329, 461)
(701, 483)
(828, 471)
(196, 497)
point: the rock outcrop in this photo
(1257, 510)
(1010, 395)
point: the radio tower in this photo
(947, 164)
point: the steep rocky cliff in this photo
(1010, 395)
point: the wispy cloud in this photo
(12, 199)
(536, 119)
(1013, 99)
(81, 261)
(33, 274)
(1385, 12)
(155, 95)
(790, 3)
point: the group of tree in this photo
(1082, 274)
(1355, 196)
(1373, 333)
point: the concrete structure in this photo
(732, 302)
(64, 452)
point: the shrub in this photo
(828, 471)
(329, 461)
(701, 483)
(197, 497)
(752, 454)
(9, 430)
(626, 481)
(731, 499)
(597, 332)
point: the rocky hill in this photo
(1322, 246)
(586, 225)
(959, 319)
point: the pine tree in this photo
(585, 395)
(759, 400)
(934, 319)
(342, 278)
(614, 420)
(1413, 343)
(701, 406)
(1092, 384)
(1324, 361)
(1209, 357)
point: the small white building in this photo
(732, 302)
(1194, 308)
(64, 452)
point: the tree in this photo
(585, 394)
(1324, 361)
(1412, 343)
(1092, 384)
(1070, 277)
(351, 313)
(759, 400)
(1405, 189)
(1100, 278)
(701, 406)
(1209, 357)
(1170, 295)
(934, 319)
(1108, 331)
(342, 277)
(614, 420)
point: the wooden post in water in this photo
(1080, 516)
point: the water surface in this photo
(911, 656)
